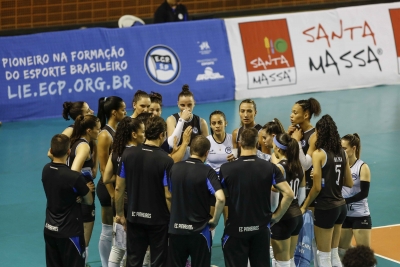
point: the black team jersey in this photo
(87, 165)
(146, 169)
(62, 186)
(194, 122)
(248, 181)
(332, 181)
(294, 180)
(191, 185)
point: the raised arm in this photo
(204, 127)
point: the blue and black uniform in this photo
(88, 211)
(145, 169)
(248, 182)
(63, 229)
(191, 185)
(292, 221)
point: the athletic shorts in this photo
(89, 211)
(65, 251)
(103, 195)
(287, 228)
(328, 218)
(357, 222)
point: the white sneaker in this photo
(146, 260)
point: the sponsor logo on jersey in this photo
(51, 227)
(195, 130)
(209, 74)
(141, 214)
(303, 143)
(228, 150)
(162, 64)
(268, 53)
(249, 228)
(354, 176)
(183, 226)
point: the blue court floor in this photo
(371, 112)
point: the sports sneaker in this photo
(146, 260)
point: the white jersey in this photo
(359, 208)
(219, 152)
(263, 156)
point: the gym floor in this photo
(371, 112)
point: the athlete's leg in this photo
(259, 248)
(158, 239)
(236, 251)
(362, 237)
(105, 235)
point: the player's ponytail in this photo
(106, 106)
(311, 105)
(273, 127)
(291, 152)
(72, 109)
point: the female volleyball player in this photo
(285, 233)
(141, 103)
(86, 129)
(331, 172)
(358, 220)
(111, 111)
(178, 122)
(156, 104)
(130, 132)
(247, 113)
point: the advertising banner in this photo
(315, 51)
(39, 72)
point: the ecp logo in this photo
(162, 64)
(268, 53)
(395, 17)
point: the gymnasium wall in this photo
(221, 60)
(22, 14)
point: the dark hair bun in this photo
(185, 88)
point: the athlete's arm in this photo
(82, 153)
(287, 198)
(348, 179)
(365, 181)
(306, 160)
(103, 147)
(68, 131)
(168, 197)
(234, 137)
(219, 207)
(174, 128)
(84, 191)
(108, 175)
(180, 152)
(203, 127)
(95, 160)
(88, 199)
(302, 190)
(119, 200)
(318, 159)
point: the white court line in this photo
(385, 226)
(386, 258)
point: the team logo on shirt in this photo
(228, 150)
(354, 176)
(162, 64)
(303, 143)
(195, 130)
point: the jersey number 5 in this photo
(337, 169)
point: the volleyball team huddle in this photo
(164, 185)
